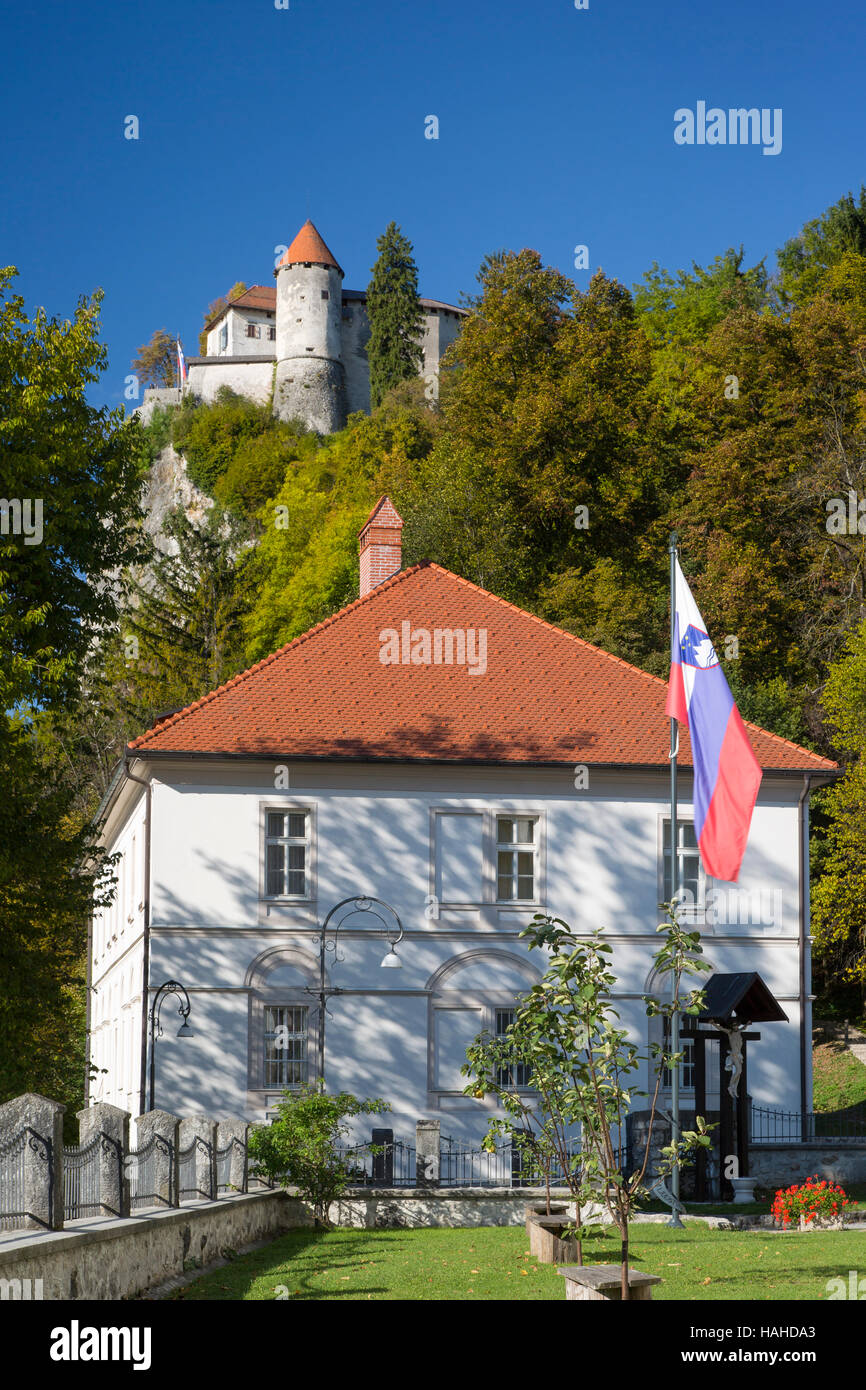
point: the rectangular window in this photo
(285, 1046)
(516, 847)
(687, 1048)
(254, 330)
(516, 1077)
(287, 854)
(272, 332)
(691, 874)
(224, 337)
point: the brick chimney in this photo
(380, 545)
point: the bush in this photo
(820, 1203)
(157, 433)
(299, 1149)
(210, 435)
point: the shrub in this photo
(819, 1203)
(300, 1148)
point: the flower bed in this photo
(810, 1205)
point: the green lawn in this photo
(493, 1263)
(839, 1079)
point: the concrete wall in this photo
(111, 1259)
(390, 831)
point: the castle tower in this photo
(310, 383)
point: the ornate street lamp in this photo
(390, 927)
(184, 1031)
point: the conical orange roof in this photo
(308, 247)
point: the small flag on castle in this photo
(181, 362)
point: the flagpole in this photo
(675, 891)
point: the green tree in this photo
(156, 362)
(180, 635)
(72, 477)
(839, 896)
(302, 1147)
(394, 350)
(567, 1032)
(807, 259)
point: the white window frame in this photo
(279, 1086)
(516, 848)
(487, 1006)
(486, 896)
(704, 882)
(284, 808)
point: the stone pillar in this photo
(34, 1125)
(111, 1125)
(163, 1129)
(233, 1132)
(201, 1131)
(427, 1153)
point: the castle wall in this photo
(248, 377)
(356, 335)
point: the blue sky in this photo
(555, 128)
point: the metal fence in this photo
(793, 1126)
(195, 1170)
(14, 1155)
(223, 1163)
(81, 1165)
(13, 1175)
(144, 1168)
(393, 1166)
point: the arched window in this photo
(283, 1023)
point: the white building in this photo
(304, 341)
(435, 747)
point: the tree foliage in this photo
(394, 353)
(156, 362)
(301, 1148)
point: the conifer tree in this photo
(394, 310)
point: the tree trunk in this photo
(625, 1290)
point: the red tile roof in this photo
(546, 696)
(256, 297)
(308, 246)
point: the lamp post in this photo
(184, 1031)
(391, 929)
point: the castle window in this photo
(254, 330)
(224, 337)
(325, 294)
(272, 331)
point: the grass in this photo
(839, 1080)
(493, 1262)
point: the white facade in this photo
(424, 839)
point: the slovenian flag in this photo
(181, 361)
(727, 773)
